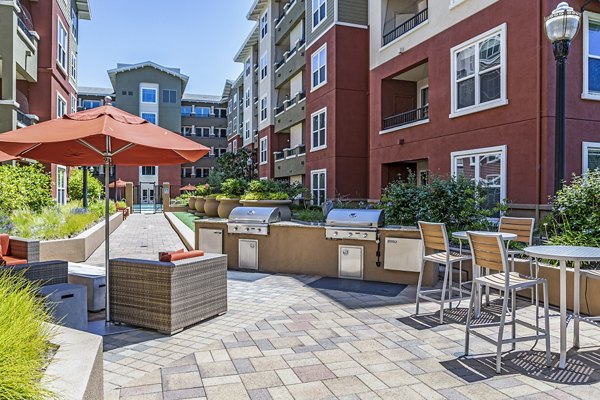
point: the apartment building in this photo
(38, 74)
(157, 94)
(467, 87)
(305, 94)
(235, 117)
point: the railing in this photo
(401, 29)
(286, 9)
(298, 150)
(288, 103)
(24, 118)
(280, 109)
(405, 118)
(24, 21)
(288, 54)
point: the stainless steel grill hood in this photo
(353, 224)
(252, 220)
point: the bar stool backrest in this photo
(488, 251)
(434, 236)
(522, 227)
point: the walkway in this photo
(139, 236)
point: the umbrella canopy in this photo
(103, 135)
(6, 157)
(119, 183)
(188, 187)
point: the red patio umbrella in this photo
(119, 183)
(188, 188)
(6, 157)
(103, 135)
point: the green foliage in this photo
(24, 187)
(233, 188)
(203, 190)
(269, 189)
(24, 340)
(121, 204)
(458, 202)
(95, 188)
(309, 214)
(575, 217)
(187, 218)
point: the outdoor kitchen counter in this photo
(301, 248)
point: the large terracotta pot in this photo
(226, 206)
(199, 204)
(211, 207)
(283, 205)
(192, 202)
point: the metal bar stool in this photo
(489, 252)
(435, 241)
(523, 228)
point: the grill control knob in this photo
(247, 229)
(257, 229)
(335, 233)
(235, 228)
(349, 234)
(365, 235)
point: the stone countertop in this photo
(301, 224)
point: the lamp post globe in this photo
(561, 27)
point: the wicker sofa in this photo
(167, 296)
(20, 251)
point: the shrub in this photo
(203, 190)
(24, 187)
(310, 214)
(575, 217)
(24, 340)
(233, 188)
(95, 188)
(269, 189)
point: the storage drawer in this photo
(211, 240)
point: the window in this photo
(263, 66)
(202, 112)
(248, 98)
(169, 96)
(186, 111)
(148, 95)
(319, 12)
(202, 172)
(73, 104)
(264, 24)
(73, 66)
(424, 96)
(218, 151)
(263, 151)
(318, 186)
(61, 49)
(318, 128)
(148, 170)
(74, 22)
(247, 131)
(486, 166)
(221, 132)
(187, 130)
(591, 56)
(87, 104)
(203, 132)
(186, 172)
(61, 185)
(150, 117)
(319, 67)
(591, 156)
(263, 108)
(220, 112)
(247, 67)
(61, 106)
(479, 73)
(235, 146)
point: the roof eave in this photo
(83, 8)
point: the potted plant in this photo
(201, 193)
(231, 190)
(271, 193)
(211, 206)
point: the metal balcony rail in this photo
(405, 118)
(24, 118)
(401, 29)
(24, 21)
(288, 103)
(286, 9)
(288, 54)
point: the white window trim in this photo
(323, 146)
(312, 83)
(585, 149)
(150, 112)
(63, 169)
(315, 172)
(314, 28)
(265, 66)
(503, 100)
(263, 141)
(587, 15)
(66, 49)
(503, 150)
(142, 97)
(73, 104)
(266, 109)
(455, 3)
(73, 64)
(264, 17)
(60, 98)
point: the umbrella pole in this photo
(107, 231)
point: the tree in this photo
(95, 189)
(24, 187)
(238, 165)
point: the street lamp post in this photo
(561, 27)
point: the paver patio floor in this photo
(281, 339)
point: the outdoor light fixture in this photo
(561, 27)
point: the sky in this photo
(199, 36)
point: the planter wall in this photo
(199, 204)
(211, 207)
(81, 247)
(283, 205)
(226, 206)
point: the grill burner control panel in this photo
(336, 233)
(248, 229)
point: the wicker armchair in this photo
(167, 296)
(44, 273)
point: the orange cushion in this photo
(13, 261)
(166, 255)
(183, 256)
(4, 243)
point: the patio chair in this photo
(489, 252)
(435, 242)
(523, 228)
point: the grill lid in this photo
(254, 215)
(355, 218)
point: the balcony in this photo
(291, 14)
(292, 62)
(402, 17)
(290, 162)
(22, 42)
(24, 120)
(291, 112)
(405, 118)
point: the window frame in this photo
(61, 185)
(247, 135)
(73, 67)
(320, 146)
(264, 109)
(155, 90)
(170, 92)
(248, 96)
(62, 49)
(263, 150)
(63, 101)
(154, 170)
(185, 169)
(150, 113)
(503, 150)
(264, 66)
(73, 104)
(247, 67)
(320, 3)
(503, 66)
(585, 151)
(264, 25)
(312, 188)
(586, 94)
(314, 55)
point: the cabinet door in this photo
(248, 254)
(350, 262)
(211, 240)
(403, 254)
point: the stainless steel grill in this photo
(252, 220)
(353, 224)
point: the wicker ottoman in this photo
(167, 296)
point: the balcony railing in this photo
(288, 54)
(406, 118)
(24, 119)
(401, 29)
(286, 153)
(24, 21)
